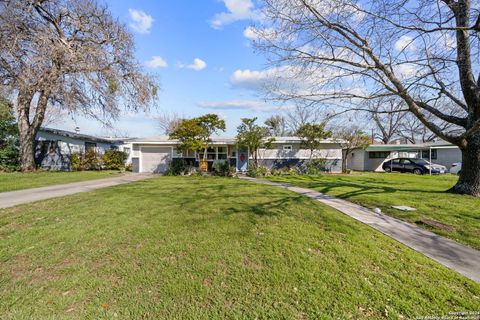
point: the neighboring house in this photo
(155, 154)
(54, 147)
(372, 158)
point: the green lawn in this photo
(461, 214)
(211, 248)
(17, 181)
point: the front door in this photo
(242, 159)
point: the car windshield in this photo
(420, 161)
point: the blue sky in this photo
(202, 55)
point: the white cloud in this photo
(156, 62)
(237, 10)
(197, 65)
(253, 105)
(405, 43)
(141, 22)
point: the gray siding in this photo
(446, 157)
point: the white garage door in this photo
(155, 159)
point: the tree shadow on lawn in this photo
(360, 188)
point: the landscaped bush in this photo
(257, 171)
(76, 162)
(178, 167)
(223, 168)
(91, 161)
(114, 160)
(312, 167)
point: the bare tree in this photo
(420, 51)
(414, 131)
(167, 122)
(277, 126)
(387, 115)
(303, 113)
(67, 54)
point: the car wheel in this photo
(388, 169)
(417, 171)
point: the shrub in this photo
(257, 171)
(312, 167)
(177, 167)
(91, 161)
(223, 168)
(114, 159)
(76, 162)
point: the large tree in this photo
(68, 54)
(423, 52)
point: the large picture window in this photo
(215, 153)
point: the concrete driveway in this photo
(13, 198)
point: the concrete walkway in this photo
(13, 198)
(462, 259)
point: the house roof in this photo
(80, 136)
(217, 140)
(441, 144)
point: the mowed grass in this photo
(17, 180)
(211, 248)
(460, 214)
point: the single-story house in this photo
(372, 158)
(54, 147)
(155, 154)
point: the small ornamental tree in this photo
(350, 139)
(194, 134)
(253, 137)
(312, 136)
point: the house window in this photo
(215, 153)
(126, 150)
(90, 146)
(287, 148)
(378, 154)
(426, 154)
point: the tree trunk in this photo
(27, 150)
(28, 130)
(469, 181)
(344, 162)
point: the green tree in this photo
(312, 136)
(9, 151)
(253, 137)
(195, 134)
(350, 139)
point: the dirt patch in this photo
(435, 224)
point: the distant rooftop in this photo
(80, 136)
